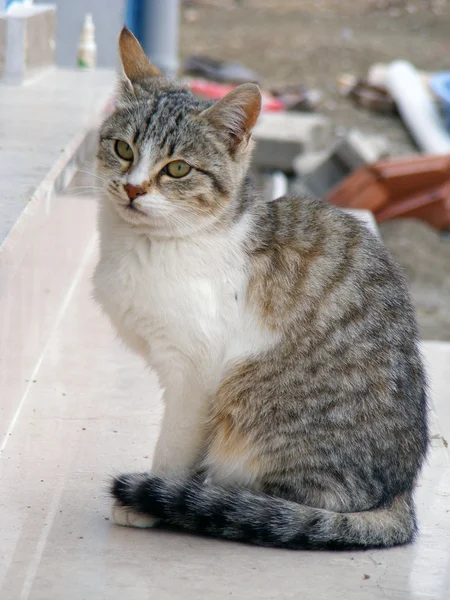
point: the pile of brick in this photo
(297, 152)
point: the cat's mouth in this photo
(133, 208)
(130, 212)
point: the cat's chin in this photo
(141, 220)
(158, 226)
(132, 214)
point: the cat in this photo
(282, 334)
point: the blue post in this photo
(134, 17)
(155, 24)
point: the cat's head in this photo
(172, 163)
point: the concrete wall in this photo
(109, 16)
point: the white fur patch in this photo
(140, 172)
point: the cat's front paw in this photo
(122, 515)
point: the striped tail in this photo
(249, 516)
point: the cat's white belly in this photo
(184, 309)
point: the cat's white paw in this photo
(127, 517)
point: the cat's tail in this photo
(253, 517)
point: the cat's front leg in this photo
(179, 446)
(123, 515)
(183, 431)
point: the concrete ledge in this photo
(43, 126)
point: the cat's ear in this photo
(136, 66)
(236, 113)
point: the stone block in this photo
(280, 137)
(358, 150)
(321, 171)
(300, 188)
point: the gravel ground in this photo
(313, 42)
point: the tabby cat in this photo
(282, 333)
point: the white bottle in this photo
(87, 49)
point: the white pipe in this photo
(417, 108)
(377, 73)
(279, 185)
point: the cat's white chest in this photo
(189, 296)
(179, 304)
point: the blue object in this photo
(134, 17)
(155, 25)
(440, 84)
(9, 2)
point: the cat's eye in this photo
(177, 168)
(123, 150)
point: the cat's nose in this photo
(133, 191)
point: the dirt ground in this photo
(313, 42)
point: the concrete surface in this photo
(76, 407)
(38, 123)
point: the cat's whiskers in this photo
(93, 174)
(85, 190)
(114, 192)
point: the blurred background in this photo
(287, 41)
